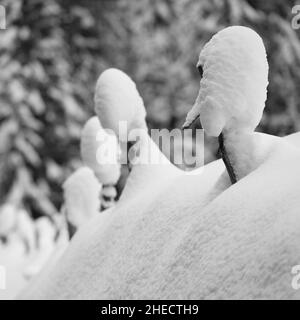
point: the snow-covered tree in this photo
(46, 58)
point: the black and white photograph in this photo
(149, 151)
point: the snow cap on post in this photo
(100, 151)
(81, 195)
(116, 100)
(233, 89)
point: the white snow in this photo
(16, 223)
(45, 233)
(191, 237)
(247, 150)
(174, 235)
(8, 219)
(100, 151)
(232, 95)
(30, 244)
(13, 258)
(117, 100)
(294, 139)
(81, 196)
(25, 228)
(235, 77)
(150, 170)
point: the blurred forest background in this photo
(53, 51)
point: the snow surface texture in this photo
(8, 219)
(81, 195)
(235, 77)
(16, 222)
(190, 237)
(246, 151)
(13, 257)
(18, 229)
(47, 246)
(116, 100)
(146, 176)
(30, 246)
(100, 151)
(179, 236)
(294, 139)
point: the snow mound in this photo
(150, 169)
(247, 150)
(116, 100)
(191, 237)
(235, 77)
(294, 139)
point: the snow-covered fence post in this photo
(100, 151)
(222, 149)
(232, 95)
(120, 108)
(81, 198)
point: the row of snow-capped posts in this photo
(234, 75)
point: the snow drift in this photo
(177, 235)
(190, 237)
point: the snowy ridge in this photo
(195, 237)
(199, 235)
(294, 139)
